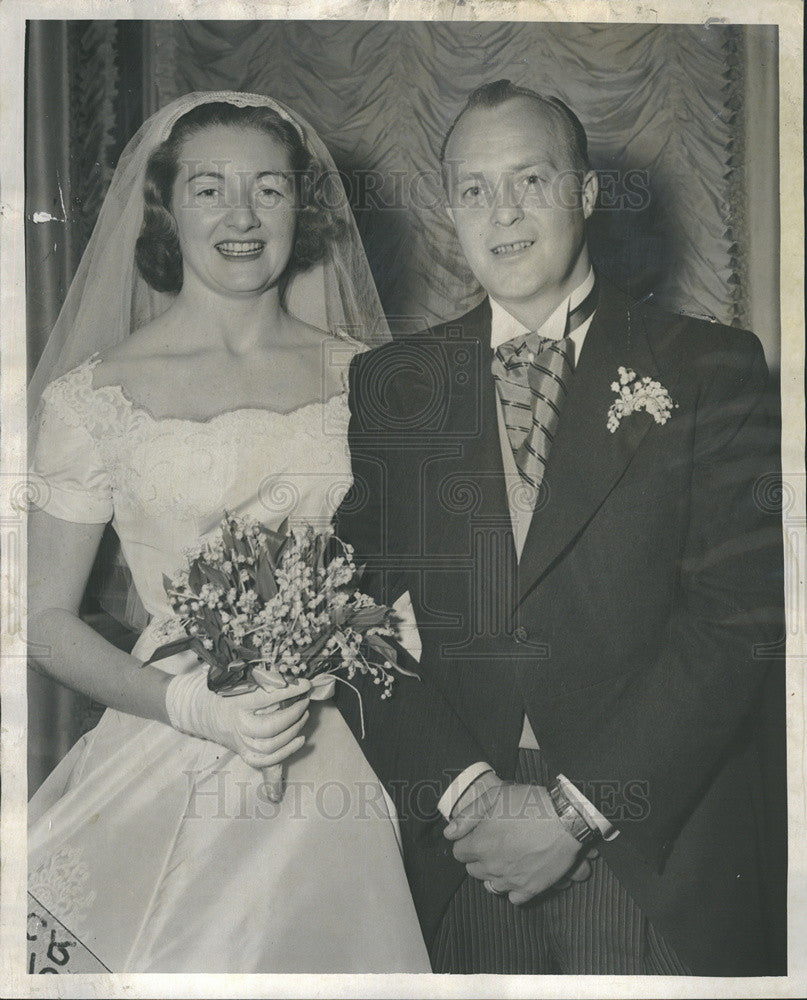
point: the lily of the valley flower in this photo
(638, 394)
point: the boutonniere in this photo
(638, 394)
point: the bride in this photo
(190, 373)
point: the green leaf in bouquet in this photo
(275, 536)
(245, 686)
(282, 545)
(322, 546)
(238, 670)
(209, 620)
(276, 539)
(214, 576)
(204, 616)
(168, 649)
(365, 617)
(168, 584)
(195, 578)
(402, 670)
(242, 547)
(204, 653)
(222, 647)
(380, 645)
(233, 650)
(265, 585)
(325, 550)
(227, 535)
(339, 615)
(318, 644)
(224, 678)
(316, 663)
(354, 583)
(266, 553)
(218, 678)
(209, 615)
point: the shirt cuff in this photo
(459, 786)
(592, 816)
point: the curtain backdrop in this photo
(681, 121)
(72, 84)
(659, 104)
(84, 99)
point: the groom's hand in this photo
(512, 837)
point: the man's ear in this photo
(589, 190)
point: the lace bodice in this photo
(165, 482)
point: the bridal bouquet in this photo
(284, 602)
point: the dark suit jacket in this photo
(637, 632)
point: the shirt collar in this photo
(504, 327)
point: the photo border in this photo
(788, 15)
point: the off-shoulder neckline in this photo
(116, 390)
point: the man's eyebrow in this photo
(540, 161)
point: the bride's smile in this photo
(241, 249)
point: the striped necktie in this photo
(532, 375)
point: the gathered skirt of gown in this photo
(160, 853)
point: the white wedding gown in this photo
(155, 849)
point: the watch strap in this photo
(572, 819)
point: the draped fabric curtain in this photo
(681, 122)
(58, 213)
(71, 148)
(81, 107)
(659, 104)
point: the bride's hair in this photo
(157, 251)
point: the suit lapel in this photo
(587, 460)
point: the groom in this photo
(566, 489)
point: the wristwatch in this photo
(571, 818)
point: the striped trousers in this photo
(591, 928)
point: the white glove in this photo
(253, 725)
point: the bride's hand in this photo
(255, 725)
